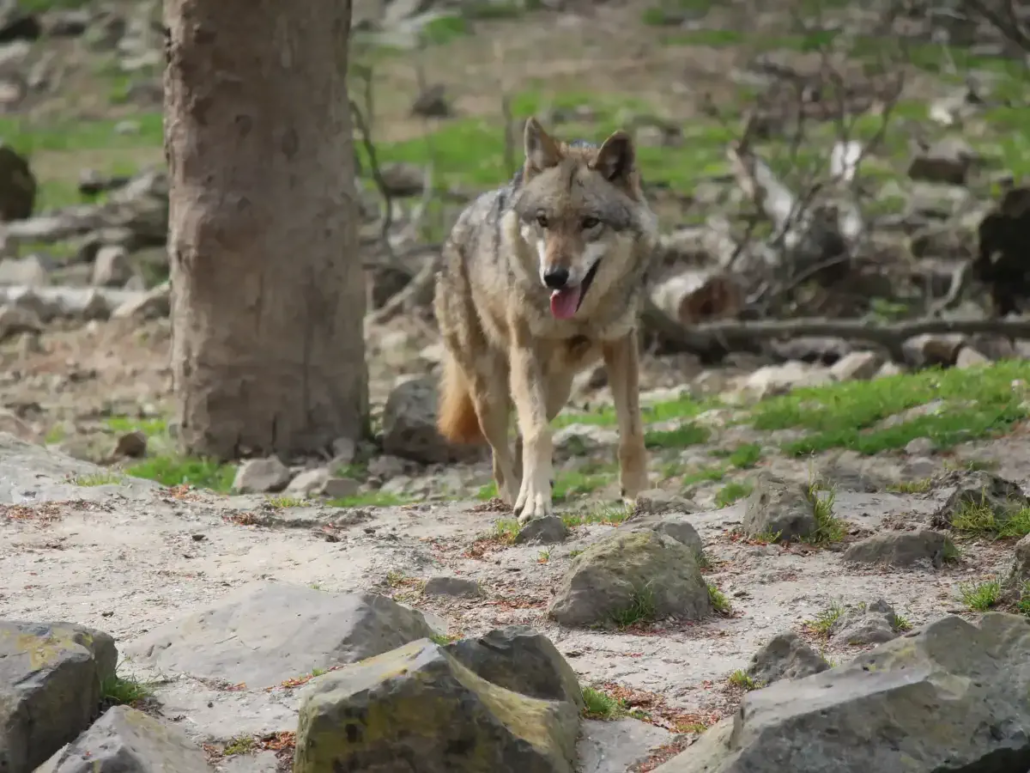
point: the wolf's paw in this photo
(633, 484)
(534, 501)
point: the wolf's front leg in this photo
(621, 360)
(529, 392)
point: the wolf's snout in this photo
(556, 278)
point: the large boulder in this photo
(520, 659)
(951, 698)
(269, 632)
(779, 509)
(125, 740)
(639, 570)
(50, 678)
(419, 709)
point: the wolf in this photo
(542, 278)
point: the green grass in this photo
(608, 515)
(719, 601)
(641, 609)
(123, 691)
(823, 623)
(285, 502)
(704, 475)
(733, 492)
(571, 485)
(601, 705)
(174, 471)
(744, 681)
(507, 530)
(829, 529)
(1023, 605)
(28, 136)
(681, 437)
(123, 425)
(746, 456)
(979, 519)
(370, 499)
(980, 596)
(99, 479)
(911, 486)
(978, 402)
(241, 744)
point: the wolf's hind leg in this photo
(493, 407)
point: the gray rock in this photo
(125, 740)
(675, 525)
(970, 358)
(640, 573)
(920, 446)
(856, 366)
(452, 586)
(341, 488)
(614, 746)
(519, 659)
(850, 471)
(982, 490)
(907, 706)
(28, 271)
(1019, 574)
(547, 530)
(309, 482)
(417, 708)
(661, 502)
(50, 677)
(948, 161)
(268, 632)
(111, 267)
(785, 656)
(260, 476)
(872, 622)
(902, 549)
(409, 424)
(780, 508)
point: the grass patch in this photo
(1023, 605)
(370, 499)
(681, 437)
(241, 744)
(28, 136)
(976, 402)
(981, 596)
(828, 527)
(641, 609)
(507, 530)
(606, 514)
(704, 475)
(951, 553)
(123, 691)
(746, 456)
(175, 471)
(980, 519)
(823, 623)
(719, 601)
(99, 479)
(284, 502)
(733, 492)
(911, 486)
(601, 705)
(744, 681)
(123, 425)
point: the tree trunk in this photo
(268, 291)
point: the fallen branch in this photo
(712, 341)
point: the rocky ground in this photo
(821, 510)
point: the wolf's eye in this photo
(541, 220)
(590, 222)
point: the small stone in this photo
(309, 482)
(340, 488)
(785, 656)
(902, 549)
(970, 358)
(260, 476)
(856, 366)
(131, 444)
(543, 531)
(459, 587)
(111, 267)
(779, 508)
(344, 450)
(920, 446)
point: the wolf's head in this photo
(582, 209)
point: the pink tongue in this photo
(564, 302)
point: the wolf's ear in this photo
(542, 151)
(616, 158)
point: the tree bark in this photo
(268, 291)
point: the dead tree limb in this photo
(712, 341)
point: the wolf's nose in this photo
(556, 278)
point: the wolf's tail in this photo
(456, 417)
